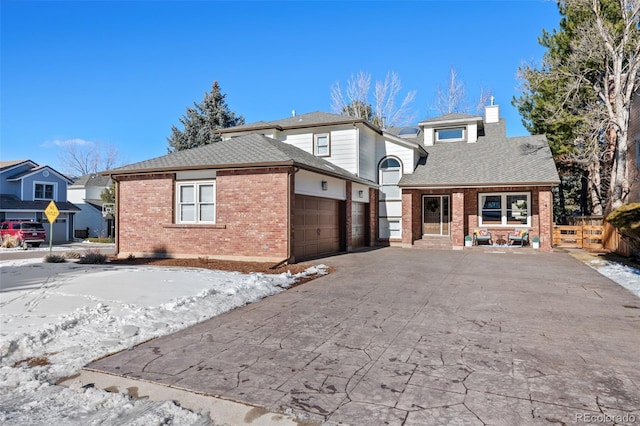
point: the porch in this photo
(441, 218)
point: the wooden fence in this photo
(589, 237)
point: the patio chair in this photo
(481, 235)
(520, 235)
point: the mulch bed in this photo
(221, 265)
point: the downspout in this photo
(292, 172)
(116, 218)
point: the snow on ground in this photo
(56, 318)
(624, 275)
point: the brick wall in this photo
(251, 217)
(464, 213)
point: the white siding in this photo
(302, 139)
(390, 208)
(344, 149)
(309, 183)
(407, 156)
(472, 133)
(367, 155)
(343, 145)
(355, 192)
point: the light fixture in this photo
(324, 185)
(360, 193)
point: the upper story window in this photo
(450, 135)
(505, 209)
(390, 174)
(322, 145)
(196, 202)
(43, 191)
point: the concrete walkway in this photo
(415, 337)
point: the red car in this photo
(31, 233)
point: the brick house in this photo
(318, 183)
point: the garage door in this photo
(358, 224)
(59, 230)
(316, 227)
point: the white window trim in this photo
(463, 138)
(315, 144)
(503, 209)
(55, 190)
(196, 185)
(383, 197)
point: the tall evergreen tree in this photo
(580, 96)
(200, 122)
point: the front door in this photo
(435, 215)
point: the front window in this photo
(390, 174)
(505, 209)
(321, 147)
(450, 135)
(43, 191)
(196, 202)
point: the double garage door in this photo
(317, 227)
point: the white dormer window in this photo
(454, 134)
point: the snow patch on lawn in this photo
(53, 324)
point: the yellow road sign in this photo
(52, 212)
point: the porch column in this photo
(545, 209)
(408, 208)
(373, 217)
(457, 219)
(349, 219)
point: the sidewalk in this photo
(404, 336)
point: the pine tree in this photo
(200, 122)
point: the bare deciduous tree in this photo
(382, 109)
(453, 98)
(78, 157)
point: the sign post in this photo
(52, 213)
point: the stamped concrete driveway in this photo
(408, 337)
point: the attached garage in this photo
(317, 227)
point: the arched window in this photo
(390, 171)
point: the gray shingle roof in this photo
(93, 179)
(243, 151)
(317, 118)
(450, 117)
(11, 202)
(493, 160)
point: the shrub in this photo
(9, 241)
(93, 257)
(72, 255)
(54, 258)
(131, 257)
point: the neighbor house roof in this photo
(494, 160)
(92, 179)
(11, 163)
(252, 150)
(311, 119)
(12, 202)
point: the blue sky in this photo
(121, 73)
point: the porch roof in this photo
(491, 161)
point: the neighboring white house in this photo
(85, 194)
